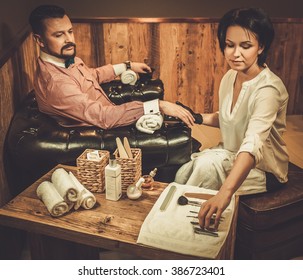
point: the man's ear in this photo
(39, 40)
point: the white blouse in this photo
(257, 121)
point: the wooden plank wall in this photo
(184, 53)
(16, 76)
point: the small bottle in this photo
(149, 179)
(113, 188)
(135, 191)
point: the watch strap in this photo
(127, 64)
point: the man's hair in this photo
(39, 14)
(254, 20)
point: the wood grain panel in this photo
(116, 42)
(28, 53)
(84, 40)
(285, 59)
(127, 41)
(191, 64)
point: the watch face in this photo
(127, 63)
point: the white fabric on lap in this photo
(209, 169)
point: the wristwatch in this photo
(127, 64)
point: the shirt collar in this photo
(52, 59)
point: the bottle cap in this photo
(112, 160)
(153, 172)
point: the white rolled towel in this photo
(129, 77)
(149, 123)
(53, 201)
(64, 185)
(85, 199)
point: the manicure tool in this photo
(168, 198)
(204, 196)
(127, 147)
(121, 149)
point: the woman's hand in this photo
(217, 204)
(177, 111)
(214, 206)
(139, 67)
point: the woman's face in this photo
(242, 48)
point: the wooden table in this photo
(59, 238)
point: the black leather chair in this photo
(36, 143)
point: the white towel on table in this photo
(53, 201)
(64, 185)
(171, 230)
(149, 123)
(85, 198)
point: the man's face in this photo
(58, 38)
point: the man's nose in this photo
(69, 38)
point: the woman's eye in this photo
(229, 46)
(246, 46)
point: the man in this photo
(72, 93)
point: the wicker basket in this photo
(131, 168)
(91, 173)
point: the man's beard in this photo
(66, 47)
(64, 56)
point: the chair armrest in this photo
(143, 90)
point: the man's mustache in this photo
(68, 45)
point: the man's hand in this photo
(139, 67)
(213, 208)
(177, 111)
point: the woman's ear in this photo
(39, 40)
(260, 50)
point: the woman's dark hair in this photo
(39, 14)
(252, 19)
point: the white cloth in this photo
(129, 77)
(63, 193)
(53, 201)
(171, 230)
(64, 185)
(85, 198)
(149, 123)
(208, 169)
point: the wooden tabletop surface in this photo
(87, 227)
(27, 212)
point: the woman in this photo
(252, 118)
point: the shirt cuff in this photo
(151, 107)
(119, 68)
(253, 145)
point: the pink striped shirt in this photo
(74, 97)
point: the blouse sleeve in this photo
(264, 108)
